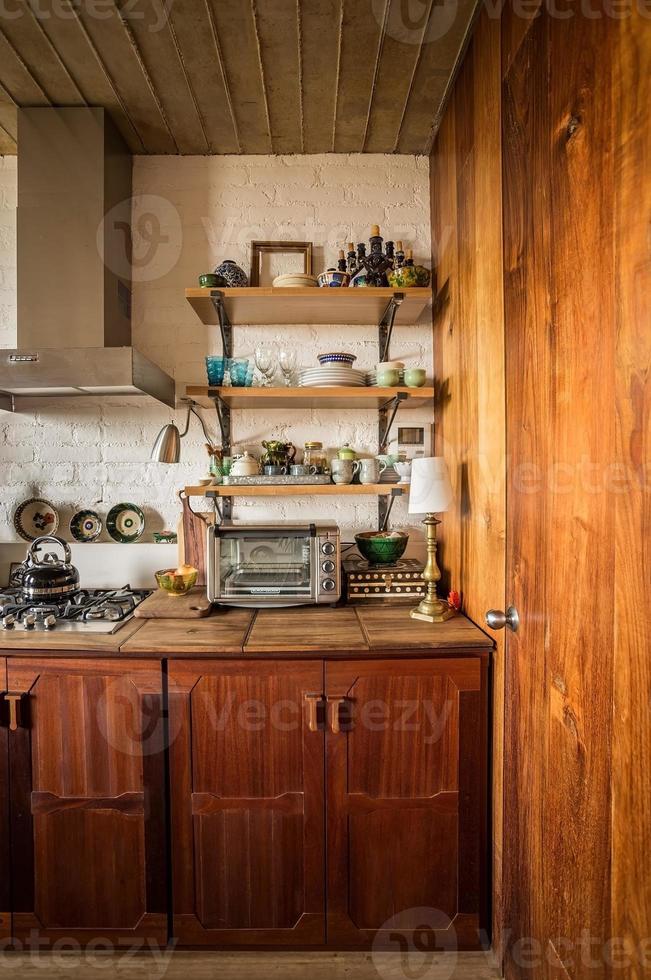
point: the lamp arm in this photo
(192, 409)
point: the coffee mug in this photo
(300, 469)
(415, 377)
(343, 470)
(271, 470)
(371, 469)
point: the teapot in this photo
(278, 453)
(245, 465)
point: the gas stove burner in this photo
(96, 610)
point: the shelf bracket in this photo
(225, 325)
(224, 418)
(387, 414)
(385, 326)
(384, 506)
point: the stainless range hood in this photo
(74, 264)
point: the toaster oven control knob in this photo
(328, 548)
(49, 622)
(328, 566)
(8, 622)
(29, 621)
(329, 585)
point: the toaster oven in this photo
(273, 564)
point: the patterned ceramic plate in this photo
(35, 517)
(86, 525)
(125, 523)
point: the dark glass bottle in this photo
(400, 256)
(409, 260)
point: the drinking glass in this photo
(287, 361)
(264, 361)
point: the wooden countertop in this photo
(305, 631)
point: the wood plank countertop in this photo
(345, 631)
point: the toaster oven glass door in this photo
(264, 565)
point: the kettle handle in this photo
(36, 544)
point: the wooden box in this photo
(400, 582)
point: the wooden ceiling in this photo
(238, 76)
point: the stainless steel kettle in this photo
(48, 579)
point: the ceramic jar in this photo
(245, 465)
(370, 470)
(232, 274)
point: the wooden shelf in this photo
(298, 490)
(266, 305)
(361, 398)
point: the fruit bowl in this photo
(382, 547)
(177, 581)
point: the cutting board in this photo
(192, 538)
(159, 605)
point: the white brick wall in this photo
(94, 453)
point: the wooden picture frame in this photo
(258, 249)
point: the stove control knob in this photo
(328, 566)
(49, 622)
(29, 621)
(329, 585)
(8, 622)
(328, 548)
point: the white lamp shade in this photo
(430, 491)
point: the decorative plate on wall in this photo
(86, 525)
(125, 523)
(34, 518)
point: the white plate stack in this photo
(332, 376)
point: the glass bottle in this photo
(409, 259)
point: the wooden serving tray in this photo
(159, 605)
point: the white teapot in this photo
(245, 465)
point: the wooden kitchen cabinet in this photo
(406, 792)
(5, 889)
(247, 802)
(361, 780)
(87, 800)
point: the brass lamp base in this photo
(433, 612)
(432, 609)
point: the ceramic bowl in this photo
(209, 280)
(415, 377)
(382, 547)
(334, 278)
(388, 379)
(337, 357)
(177, 581)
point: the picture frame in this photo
(260, 249)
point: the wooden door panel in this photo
(87, 801)
(247, 803)
(5, 860)
(406, 799)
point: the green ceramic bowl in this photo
(382, 547)
(177, 582)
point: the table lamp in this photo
(430, 493)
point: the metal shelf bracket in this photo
(225, 325)
(384, 505)
(387, 414)
(225, 512)
(385, 326)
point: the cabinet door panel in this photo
(5, 892)
(87, 800)
(247, 803)
(406, 800)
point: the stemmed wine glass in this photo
(287, 361)
(264, 361)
